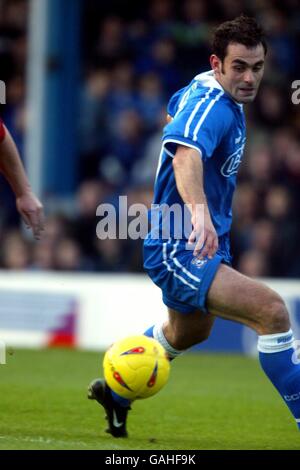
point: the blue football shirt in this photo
(206, 118)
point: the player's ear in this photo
(216, 64)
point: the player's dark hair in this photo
(242, 30)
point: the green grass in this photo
(210, 402)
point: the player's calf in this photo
(185, 330)
(182, 339)
(182, 331)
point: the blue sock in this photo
(149, 332)
(279, 361)
(120, 400)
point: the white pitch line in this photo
(49, 441)
(43, 440)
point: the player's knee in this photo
(274, 316)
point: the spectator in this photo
(253, 264)
(15, 252)
(67, 256)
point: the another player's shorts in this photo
(183, 278)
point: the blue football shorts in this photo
(183, 278)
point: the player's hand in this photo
(31, 210)
(204, 235)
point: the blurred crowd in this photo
(132, 61)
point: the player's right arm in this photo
(11, 166)
(201, 119)
(188, 170)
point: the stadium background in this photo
(87, 87)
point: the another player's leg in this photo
(236, 297)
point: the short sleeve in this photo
(175, 101)
(201, 124)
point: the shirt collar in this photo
(207, 79)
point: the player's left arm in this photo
(28, 205)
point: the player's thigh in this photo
(237, 297)
(188, 329)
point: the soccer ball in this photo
(136, 367)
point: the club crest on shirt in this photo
(199, 263)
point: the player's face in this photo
(241, 71)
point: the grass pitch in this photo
(210, 402)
